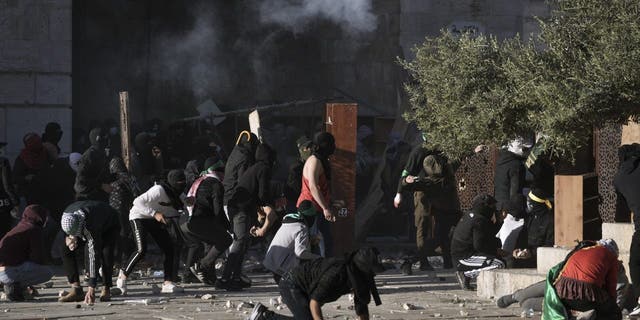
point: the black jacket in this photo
(125, 190)
(209, 198)
(253, 188)
(414, 163)
(8, 196)
(509, 178)
(627, 183)
(93, 171)
(538, 229)
(474, 235)
(241, 158)
(58, 183)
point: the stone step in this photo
(498, 282)
(620, 232)
(549, 257)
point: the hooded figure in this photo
(474, 246)
(50, 138)
(31, 162)
(22, 254)
(294, 178)
(325, 145)
(251, 193)
(241, 158)
(310, 285)
(509, 177)
(125, 189)
(8, 197)
(93, 176)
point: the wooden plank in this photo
(630, 133)
(341, 121)
(125, 136)
(568, 214)
(254, 124)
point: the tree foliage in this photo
(582, 71)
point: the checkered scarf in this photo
(73, 223)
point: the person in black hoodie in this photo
(125, 190)
(93, 224)
(50, 139)
(294, 179)
(93, 178)
(22, 254)
(307, 287)
(204, 149)
(207, 222)
(251, 193)
(627, 184)
(241, 158)
(537, 230)
(8, 197)
(509, 177)
(474, 246)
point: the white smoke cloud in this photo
(353, 16)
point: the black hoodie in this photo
(93, 169)
(254, 185)
(509, 177)
(627, 179)
(25, 242)
(241, 158)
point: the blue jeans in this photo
(27, 274)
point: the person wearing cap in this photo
(22, 254)
(156, 212)
(291, 243)
(294, 179)
(536, 232)
(8, 198)
(93, 179)
(588, 280)
(94, 225)
(252, 193)
(307, 287)
(28, 167)
(474, 246)
(207, 222)
(50, 139)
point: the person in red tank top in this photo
(316, 175)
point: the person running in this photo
(307, 287)
(156, 212)
(94, 225)
(207, 222)
(23, 255)
(252, 192)
(291, 243)
(125, 190)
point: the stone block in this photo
(549, 257)
(620, 232)
(498, 282)
(536, 8)
(60, 24)
(17, 88)
(417, 6)
(18, 55)
(505, 7)
(53, 89)
(55, 56)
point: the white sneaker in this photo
(122, 285)
(635, 311)
(171, 288)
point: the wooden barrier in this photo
(576, 214)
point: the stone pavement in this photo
(433, 296)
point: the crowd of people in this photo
(93, 214)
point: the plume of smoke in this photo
(194, 58)
(353, 16)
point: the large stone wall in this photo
(35, 69)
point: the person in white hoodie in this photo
(291, 244)
(156, 212)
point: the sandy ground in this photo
(433, 296)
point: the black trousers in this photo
(166, 236)
(126, 244)
(241, 222)
(296, 300)
(5, 220)
(104, 247)
(634, 262)
(205, 230)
